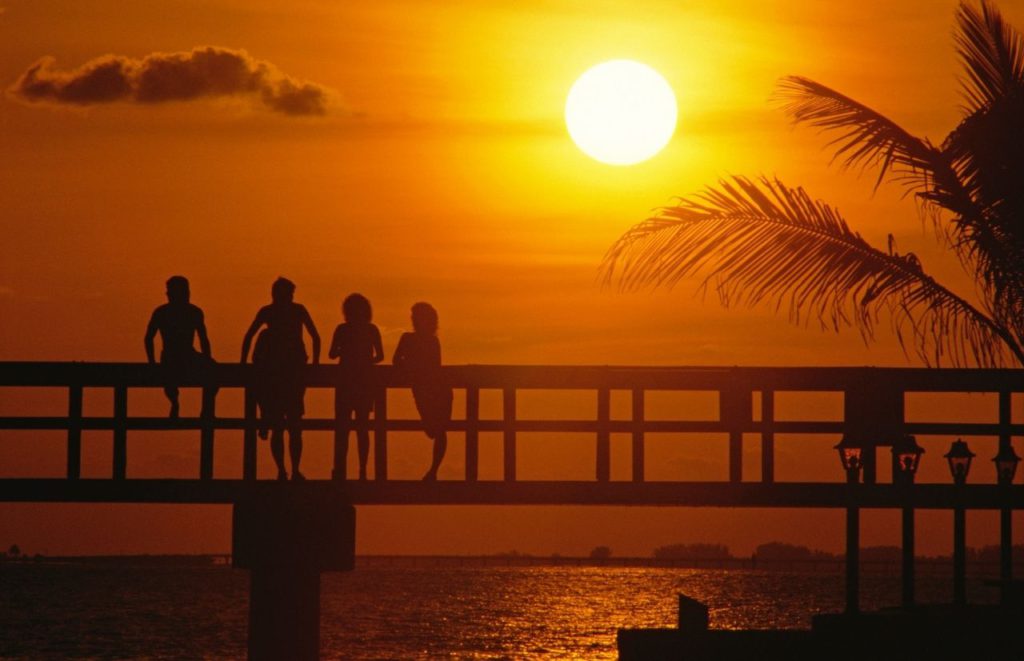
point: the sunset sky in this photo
(417, 151)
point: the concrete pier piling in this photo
(286, 537)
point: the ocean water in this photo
(52, 610)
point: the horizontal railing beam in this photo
(522, 492)
(838, 379)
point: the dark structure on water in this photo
(319, 516)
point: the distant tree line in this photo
(783, 552)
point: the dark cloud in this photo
(205, 72)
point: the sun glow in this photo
(621, 112)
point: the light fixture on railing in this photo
(906, 457)
(1006, 464)
(851, 455)
(959, 458)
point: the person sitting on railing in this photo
(280, 370)
(178, 322)
(419, 355)
(358, 347)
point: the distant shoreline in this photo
(925, 565)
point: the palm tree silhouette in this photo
(759, 240)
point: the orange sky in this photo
(440, 170)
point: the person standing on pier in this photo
(178, 322)
(418, 354)
(280, 370)
(358, 347)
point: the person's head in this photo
(177, 289)
(424, 318)
(283, 290)
(356, 309)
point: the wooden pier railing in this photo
(873, 410)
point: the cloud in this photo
(202, 73)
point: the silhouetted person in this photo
(418, 354)
(178, 322)
(358, 347)
(279, 360)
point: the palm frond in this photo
(992, 53)
(866, 138)
(765, 242)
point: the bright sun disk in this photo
(621, 112)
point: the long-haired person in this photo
(418, 354)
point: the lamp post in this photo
(851, 457)
(959, 458)
(906, 455)
(1006, 467)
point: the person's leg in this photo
(277, 451)
(293, 415)
(206, 367)
(341, 429)
(172, 397)
(362, 416)
(295, 448)
(440, 447)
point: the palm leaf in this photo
(992, 53)
(768, 243)
(866, 138)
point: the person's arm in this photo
(437, 352)
(148, 341)
(398, 360)
(204, 339)
(378, 345)
(247, 340)
(307, 321)
(335, 350)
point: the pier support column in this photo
(959, 555)
(286, 536)
(908, 557)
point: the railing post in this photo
(341, 434)
(207, 415)
(472, 433)
(1006, 511)
(74, 432)
(908, 556)
(249, 436)
(959, 551)
(509, 411)
(873, 413)
(638, 434)
(852, 543)
(120, 432)
(734, 411)
(768, 436)
(604, 460)
(380, 434)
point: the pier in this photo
(285, 578)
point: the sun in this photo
(621, 112)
